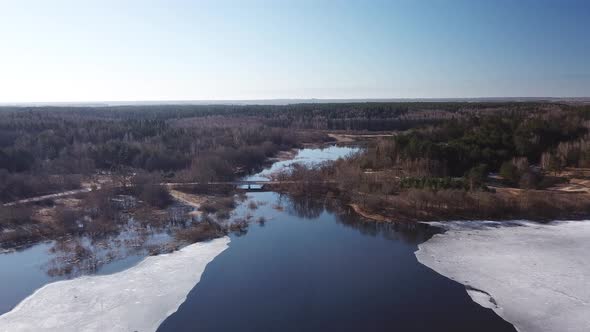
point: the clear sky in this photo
(125, 50)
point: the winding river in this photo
(303, 265)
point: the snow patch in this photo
(137, 299)
(535, 276)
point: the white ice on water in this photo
(137, 299)
(535, 276)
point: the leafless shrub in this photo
(239, 227)
(201, 231)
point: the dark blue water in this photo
(316, 267)
(309, 265)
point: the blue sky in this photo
(188, 50)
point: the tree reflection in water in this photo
(305, 206)
(312, 206)
(74, 256)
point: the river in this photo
(314, 267)
(303, 265)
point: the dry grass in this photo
(199, 232)
(573, 186)
(368, 215)
(502, 204)
(286, 155)
(252, 205)
(349, 138)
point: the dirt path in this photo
(50, 196)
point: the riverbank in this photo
(416, 205)
(367, 215)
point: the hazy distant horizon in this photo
(287, 101)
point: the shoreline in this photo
(540, 206)
(123, 301)
(530, 274)
(368, 215)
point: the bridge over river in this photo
(238, 184)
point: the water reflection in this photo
(310, 156)
(74, 256)
(307, 207)
(316, 265)
(88, 252)
(312, 207)
(113, 244)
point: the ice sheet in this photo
(137, 299)
(535, 276)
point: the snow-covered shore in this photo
(535, 276)
(137, 299)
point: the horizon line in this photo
(281, 101)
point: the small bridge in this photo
(241, 185)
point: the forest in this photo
(47, 149)
(506, 162)
(432, 161)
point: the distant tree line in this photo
(45, 149)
